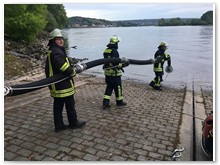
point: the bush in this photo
(24, 22)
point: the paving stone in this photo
(9, 155)
(144, 130)
(91, 157)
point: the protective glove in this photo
(169, 69)
(120, 65)
(124, 61)
(80, 67)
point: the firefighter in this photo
(113, 73)
(158, 67)
(62, 92)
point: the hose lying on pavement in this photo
(28, 87)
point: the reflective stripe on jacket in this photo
(57, 61)
(113, 70)
(158, 67)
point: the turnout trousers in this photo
(155, 83)
(113, 83)
(58, 105)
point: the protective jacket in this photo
(115, 69)
(158, 67)
(57, 61)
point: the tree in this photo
(56, 17)
(175, 21)
(51, 22)
(197, 22)
(208, 17)
(161, 22)
(24, 21)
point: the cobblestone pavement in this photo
(146, 129)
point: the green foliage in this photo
(56, 17)
(161, 22)
(173, 22)
(176, 21)
(81, 21)
(208, 17)
(24, 21)
(51, 22)
(197, 22)
(92, 22)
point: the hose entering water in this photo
(28, 87)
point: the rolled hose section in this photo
(28, 87)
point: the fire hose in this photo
(28, 87)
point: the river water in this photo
(190, 48)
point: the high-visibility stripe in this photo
(50, 65)
(107, 97)
(62, 94)
(64, 67)
(120, 97)
(71, 82)
(119, 91)
(107, 51)
(51, 70)
(65, 92)
(74, 73)
(167, 55)
(113, 72)
(157, 84)
(67, 60)
(159, 68)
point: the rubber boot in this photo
(121, 103)
(106, 104)
(152, 84)
(158, 88)
(80, 124)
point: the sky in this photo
(132, 11)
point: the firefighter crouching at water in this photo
(113, 73)
(158, 67)
(62, 92)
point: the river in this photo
(190, 48)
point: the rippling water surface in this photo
(190, 48)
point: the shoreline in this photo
(38, 73)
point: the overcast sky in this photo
(131, 11)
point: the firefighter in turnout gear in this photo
(62, 92)
(158, 67)
(113, 73)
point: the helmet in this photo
(114, 39)
(55, 33)
(163, 44)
